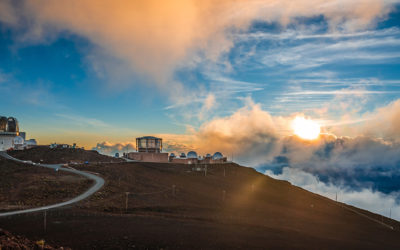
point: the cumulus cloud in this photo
(385, 122)
(360, 162)
(112, 148)
(249, 133)
(152, 38)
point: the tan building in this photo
(149, 149)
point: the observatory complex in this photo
(149, 149)
(11, 137)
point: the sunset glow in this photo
(306, 129)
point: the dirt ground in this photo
(45, 154)
(171, 206)
(23, 186)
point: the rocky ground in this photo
(45, 154)
(176, 206)
(10, 241)
(24, 186)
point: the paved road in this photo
(99, 182)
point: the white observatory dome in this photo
(192, 155)
(18, 140)
(217, 156)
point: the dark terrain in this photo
(24, 186)
(45, 154)
(10, 241)
(170, 206)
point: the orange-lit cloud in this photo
(153, 37)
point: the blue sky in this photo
(225, 76)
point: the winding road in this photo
(99, 183)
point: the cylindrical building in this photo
(12, 125)
(149, 144)
(3, 123)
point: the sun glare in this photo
(306, 129)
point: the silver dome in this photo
(217, 156)
(192, 155)
(183, 155)
(208, 156)
(172, 155)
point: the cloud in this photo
(385, 122)
(83, 121)
(375, 201)
(112, 148)
(152, 38)
(7, 13)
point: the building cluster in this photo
(63, 146)
(149, 149)
(10, 136)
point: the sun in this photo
(305, 128)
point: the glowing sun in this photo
(306, 129)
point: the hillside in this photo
(45, 154)
(232, 207)
(10, 241)
(25, 186)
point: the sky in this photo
(209, 76)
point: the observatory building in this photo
(193, 158)
(149, 144)
(11, 137)
(148, 149)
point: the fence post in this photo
(126, 201)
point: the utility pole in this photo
(205, 170)
(45, 221)
(126, 201)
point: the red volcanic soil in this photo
(170, 206)
(23, 186)
(45, 154)
(10, 241)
